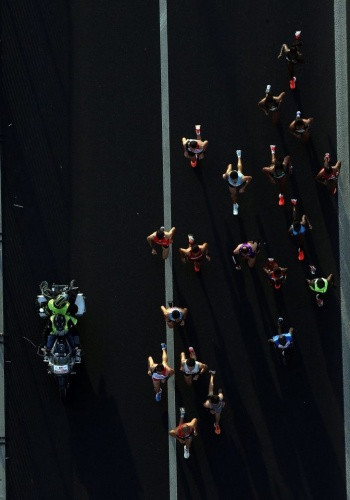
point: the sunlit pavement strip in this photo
(167, 225)
(2, 376)
(342, 117)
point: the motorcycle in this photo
(62, 358)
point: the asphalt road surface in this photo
(82, 188)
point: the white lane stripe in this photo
(342, 118)
(167, 223)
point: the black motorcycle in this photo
(62, 358)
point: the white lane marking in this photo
(342, 120)
(167, 224)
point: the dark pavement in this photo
(83, 157)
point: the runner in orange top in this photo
(162, 238)
(185, 432)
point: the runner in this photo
(301, 128)
(293, 57)
(320, 287)
(247, 252)
(174, 315)
(162, 238)
(215, 403)
(237, 181)
(277, 173)
(194, 253)
(328, 176)
(277, 275)
(159, 372)
(185, 432)
(194, 148)
(298, 229)
(283, 342)
(271, 103)
(190, 367)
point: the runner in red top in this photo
(328, 176)
(194, 253)
(277, 275)
(185, 432)
(162, 238)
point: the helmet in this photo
(60, 301)
(59, 322)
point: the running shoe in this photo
(239, 153)
(272, 148)
(182, 412)
(191, 350)
(312, 269)
(301, 255)
(212, 372)
(298, 115)
(163, 346)
(297, 34)
(292, 84)
(217, 429)
(235, 209)
(319, 300)
(281, 200)
(277, 286)
(197, 267)
(159, 395)
(193, 163)
(326, 156)
(334, 191)
(190, 239)
(186, 452)
(280, 320)
(162, 228)
(198, 129)
(268, 89)
(293, 201)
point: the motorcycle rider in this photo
(61, 325)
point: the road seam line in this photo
(163, 26)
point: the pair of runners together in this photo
(193, 253)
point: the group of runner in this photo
(277, 173)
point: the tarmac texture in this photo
(82, 188)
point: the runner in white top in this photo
(174, 315)
(194, 148)
(190, 367)
(237, 181)
(159, 372)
